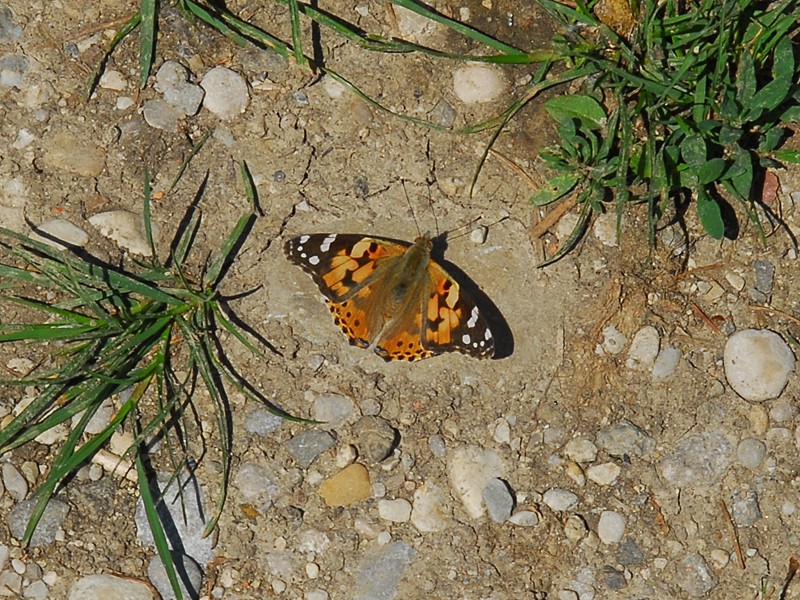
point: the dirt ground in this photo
(332, 164)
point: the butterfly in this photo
(390, 295)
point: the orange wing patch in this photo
(443, 314)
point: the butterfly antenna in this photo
(410, 207)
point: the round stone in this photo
(757, 364)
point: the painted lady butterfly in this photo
(391, 296)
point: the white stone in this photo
(397, 511)
(63, 230)
(430, 512)
(611, 527)
(581, 450)
(226, 93)
(109, 587)
(524, 518)
(126, 229)
(666, 362)
(113, 80)
(605, 229)
(560, 500)
(605, 474)
(644, 349)
(477, 83)
(757, 364)
(469, 469)
(613, 341)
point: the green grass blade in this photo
(147, 39)
(156, 527)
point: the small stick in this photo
(736, 546)
(793, 567)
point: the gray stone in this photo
(628, 553)
(262, 422)
(696, 577)
(308, 445)
(381, 570)
(498, 499)
(190, 577)
(333, 410)
(744, 508)
(697, 459)
(764, 273)
(12, 70)
(184, 512)
(226, 93)
(9, 31)
(625, 439)
(750, 452)
(45, 532)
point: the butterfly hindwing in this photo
(453, 322)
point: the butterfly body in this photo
(391, 296)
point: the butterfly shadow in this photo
(503, 338)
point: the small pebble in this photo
(498, 499)
(104, 587)
(437, 446)
(613, 341)
(628, 553)
(764, 273)
(744, 508)
(50, 523)
(604, 474)
(190, 581)
(112, 80)
(644, 349)
(347, 487)
(782, 410)
(699, 458)
(397, 511)
(736, 281)
(478, 83)
(381, 570)
(575, 528)
(751, 452)
(581, 450)
(375, 438)
(172, 81)
(9, 30)
(346, 455)
(262, 422)
(333, 410)
(59, 230)
(14, 482)
(306, 446)
(226, 93)
(696, 579)
(559, 500)
(502, 431)
(160, 114)
(757, 364)
(611, 527)
(312, 570)
(126, 229)
(469, 469)
(430, 512)
(605, 229)
(524, 518)
(666, 362)
(625, 439)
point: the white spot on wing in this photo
(314, 260)
(326, 243)
(473, 317)
(303, 239)
(487, 335)
(465, 339)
